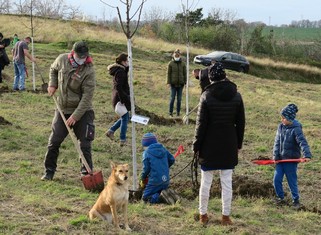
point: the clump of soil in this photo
(4, 121)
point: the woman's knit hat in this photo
(289, 112)
(217, 72)
(148, 139)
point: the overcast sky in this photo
(271, 12)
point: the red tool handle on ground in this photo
(179, 151)
(270, 161)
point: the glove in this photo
(143, 182)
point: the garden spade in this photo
(186, 116)
(44, 85)
(94, 180)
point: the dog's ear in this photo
(126, 165)
(112, 165)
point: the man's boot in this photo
(48, 175)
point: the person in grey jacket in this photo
(288, 144)
(219, 135)
(72, 76)
(176, 79)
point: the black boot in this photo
(48, 175)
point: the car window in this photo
(235, 57)
(227, 56)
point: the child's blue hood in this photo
(157, 150)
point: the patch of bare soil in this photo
(4, 89)
(242, 186)
(160, 120)
(4, 121)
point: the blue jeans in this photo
(290, 171)
(175, 91)
(19, 76)
(122, 123)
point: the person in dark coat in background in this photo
(202, 76)
(219, 135)
(4, 59)
(121, 93)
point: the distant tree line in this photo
(219, 30)
(305, 24)
(56, 9)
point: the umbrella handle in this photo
(73, 137)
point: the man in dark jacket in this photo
(219, 135)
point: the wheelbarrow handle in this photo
(73, 137)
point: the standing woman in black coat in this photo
(121, 93)
(219, 135)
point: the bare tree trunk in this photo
(132, 101)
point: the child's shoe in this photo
(296, 205)
(166, 197)
(280, 201)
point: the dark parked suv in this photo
(230, 60)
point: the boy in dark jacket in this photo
(156, 163)
(289, 141)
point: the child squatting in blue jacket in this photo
(156, 163)
(288, 144)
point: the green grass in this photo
(31, 206)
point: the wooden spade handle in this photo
(73, 137)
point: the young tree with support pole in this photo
(126, 27)
(186, 9)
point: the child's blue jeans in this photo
(290, 171)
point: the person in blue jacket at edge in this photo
(156, 162)
(288, 144)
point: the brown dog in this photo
(114, 197)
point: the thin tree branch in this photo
(140, 13)
(107, 4)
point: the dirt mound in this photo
(242, 186)
(4, 89)
(4, 121)
(159, 120)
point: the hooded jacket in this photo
(289, 141)
(156, 163)
(220, 126)
(121, 90)
(75, 85)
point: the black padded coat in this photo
(220, 126)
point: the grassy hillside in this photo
(31, 206)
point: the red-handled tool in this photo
(270, 161)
